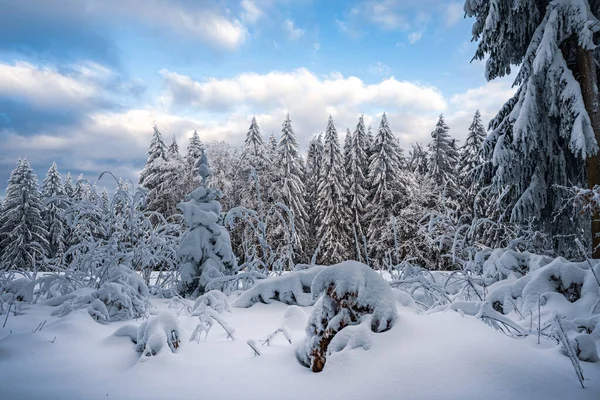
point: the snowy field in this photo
(436, 356)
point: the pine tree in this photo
(347, 147)
(418, 159)
(547, 132)
(357, 166)
(152, 176)
(443, 159)
(194, 150)
(389, 190)
(314, 161)
(105, 202)
(254, 168)
(55, 203)
(334, 214)
(291, 189)
(68, 187)
(23, 234)
(471, 160)
(205, 248)
(173, 180)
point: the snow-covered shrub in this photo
(213, 299)
(585, 347)
(293, 288)
(20, 289)
(208, 308)
(123, 297)
(352, 294)
(156, 332)
(504, 263)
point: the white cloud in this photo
(251, 12)
(118, 140)
(292, 31)
(308, 98)
(46, 87)
(414, 37)
(488, 99)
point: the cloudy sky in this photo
(83, 81)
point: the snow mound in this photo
(351, 292)
(213, 299)
(293, 289)
(155, 333)
(294, 318)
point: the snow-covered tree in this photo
(471, 162)
(332, 203)
(443, 158)
(194, 149)
(347, 145)
(291, 178)
(205, 247)
(152, 176)
(172, 187)
(357, 166)
(471, 156)
(314, 160)
(105, 201)
(547, 132)
(68, 186)
(254, 168)
(389, 189)
(417, 159)
(23, 234)
(55, 202)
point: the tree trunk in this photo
(589, 90)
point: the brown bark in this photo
(589, 89)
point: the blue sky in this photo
(83, 81)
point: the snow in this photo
(292, 288)
(437, 356)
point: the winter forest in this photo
(350, 268)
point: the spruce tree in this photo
(194, 150)
(153, 177)
(548, 131)
(55, 203)
(291, 189)
(332, 203)
(471, 160)
(23, 234)
(389, 190)
(173, 180)
(205, 247)
(347, 146)
(418, 159)
(314, 160)
(357, 166)
(254, 168)
(443, 159)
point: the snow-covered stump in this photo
(353, 294)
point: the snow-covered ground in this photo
(437, 356)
